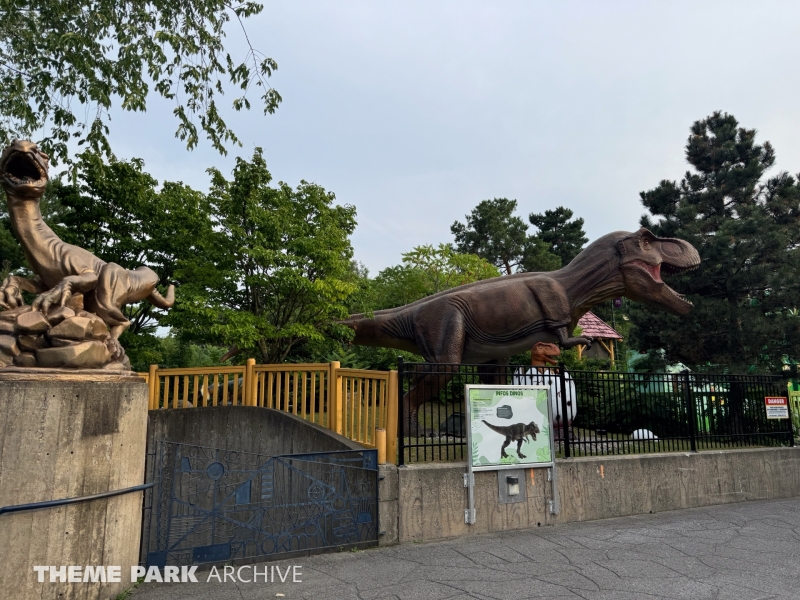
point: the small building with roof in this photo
(603, 335)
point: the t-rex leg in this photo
(565, 341)
(503, 448)
(494, 375)
(441, 342)
(117, 287)
(519, 449)
(425, 388)
(111, 293)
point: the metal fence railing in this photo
(608, 412)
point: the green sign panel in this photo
(509, 426)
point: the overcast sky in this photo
(416, 111)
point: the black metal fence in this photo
(607, 412)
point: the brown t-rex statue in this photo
(496, 318)
(63, 270)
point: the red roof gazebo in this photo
(594, 327)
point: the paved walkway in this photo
(737, 552)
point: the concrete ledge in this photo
(431, 498)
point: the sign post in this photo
(509, 427)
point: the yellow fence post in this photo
(380, 444)
(248, 387)
(335, 413)
(391, 418)
(153, 387)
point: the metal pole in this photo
(691, 411)
(401, 459)
(564, 413)
(790, 428)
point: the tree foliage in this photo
(566, 237)
(170, 352)
(274, 273)
(427, 270)
(64, 65)
(493, 232)
(747, 229)
(115, 210)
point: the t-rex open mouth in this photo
(21, 168)
(654, 271)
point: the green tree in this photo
(427, 270)
(747, 230)
(566, 237)
(493, 232)
(65, 65)
(274, 274)
(170, 352)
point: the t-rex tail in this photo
(496, 428)
(159, 301)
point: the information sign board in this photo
(510, 427)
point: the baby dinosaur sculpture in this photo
(518, 432)
(494, 319)
(62, 270)
(544, 356)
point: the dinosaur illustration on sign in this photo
(518, 432)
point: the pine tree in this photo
(494, 233)
(746, 229)
(566, 238)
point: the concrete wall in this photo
(65, 436)
(244, 429)
(430, 499)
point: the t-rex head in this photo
(23, 170)
(531, 429)
(544, 353)
(643, 257)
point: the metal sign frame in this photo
(469, 477)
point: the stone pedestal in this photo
(64, 435)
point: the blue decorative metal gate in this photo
(213, 505)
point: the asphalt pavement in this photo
(744, 551)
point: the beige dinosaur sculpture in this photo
(63, 271)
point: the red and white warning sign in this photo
(777, 407)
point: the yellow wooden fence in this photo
(358, 404)
(794, 400)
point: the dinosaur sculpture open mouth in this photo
(21, 168)
(654, 271)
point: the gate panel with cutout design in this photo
(213, 505)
